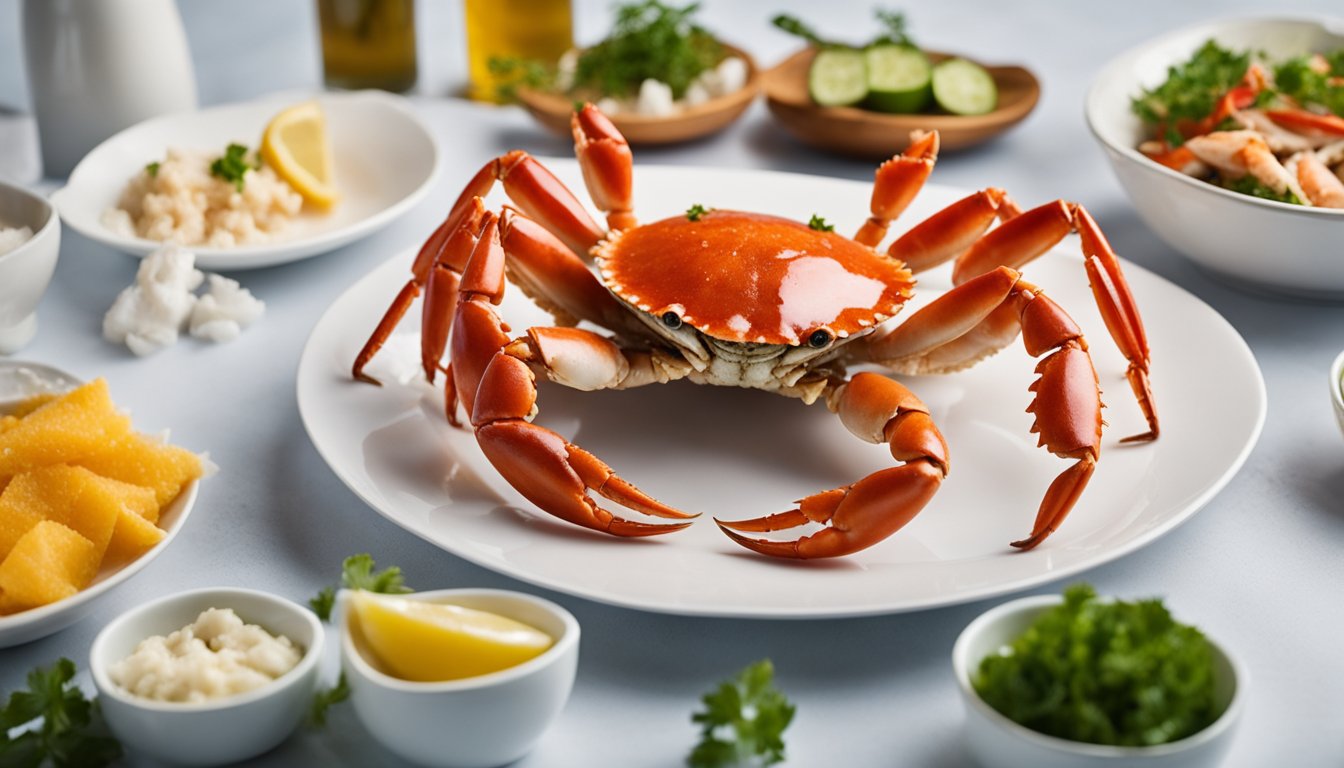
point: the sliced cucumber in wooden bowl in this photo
(964, 88)
(899, 78)
(838, 77)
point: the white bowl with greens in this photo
(1255, 242)
(1004, 657)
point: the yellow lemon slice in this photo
(295, 145)
(430, 642)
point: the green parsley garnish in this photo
(232, 166)
(67, 737)
(1116, 673)
(696, 211)
(819, 224)
(322, 701)
(1249, 185)
(1299, 80)
(357, 573)
(1192, 90)
(152, 169)
(744, 720)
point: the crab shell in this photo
(753, 278)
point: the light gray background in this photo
(1260, 568)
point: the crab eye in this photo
(819, 338)
(671, 319)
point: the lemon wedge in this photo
(295, 145)
(431, 642)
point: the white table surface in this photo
(1259, 568)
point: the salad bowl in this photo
(1253, 242)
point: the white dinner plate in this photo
(738, 453)
(386, 161)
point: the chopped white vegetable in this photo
(696, 93)
(655, 98)
(150, 314)
(732, 75)
(609, 106)
(565, 69)
(223, 312)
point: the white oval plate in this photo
(386, 161)
(737, 453)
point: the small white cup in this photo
(476, 722)
(25, 271)
(212, 733)
(998, 742)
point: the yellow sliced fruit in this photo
(132, 536)
(76, 424)
(49, 563)
(296, 146)
(430, 642)
(147, 462)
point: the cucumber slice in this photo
(964, 88)
(838, 77)
(898, 78)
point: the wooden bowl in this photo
(873, 135)
(553, 110)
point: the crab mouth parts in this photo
(745, 352)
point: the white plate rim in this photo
(307, 364)
(263, 254)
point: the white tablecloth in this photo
(1259, 568)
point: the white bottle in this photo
(98, 66)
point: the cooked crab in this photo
(751, 300)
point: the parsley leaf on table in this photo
(744, 719)
(322, 701)
(67, 737)
(357, 573)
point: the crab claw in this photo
(876, 409)
(607, 165)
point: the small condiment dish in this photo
(25, 271)
(879, 135)
(998, 742)
(225, 730)
(1337, 388)
(474, 722)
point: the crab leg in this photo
(1067, 405)
(498, 390)
(897, 182)
(876, 409)
(607, 165)
(446, 250)
(949, 232)
(538, 193)
(1033, 233)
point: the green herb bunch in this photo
(232, 166)
(1192, 90)
(744, 720)
(1306, 83)
(1121, 673)
(650, 39)
(68, 736)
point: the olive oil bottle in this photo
(522, 29)
(368, 43)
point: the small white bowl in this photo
(475, 722)
(25, 271)
(1337, 388)
(1257, 243)
(997, 742)
(216, 732)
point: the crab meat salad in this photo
(1271, 129)
(760, 302)
(216, 656)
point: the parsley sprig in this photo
(696, 211)
(357, 573)
(894, 32)
(818, 223)
(324, 699)
(744, 719)
(1122, 673)
(67, 737)
(233, 166)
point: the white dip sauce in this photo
(216, 656)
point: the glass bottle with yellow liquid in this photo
(368, 43)
(513, 29)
